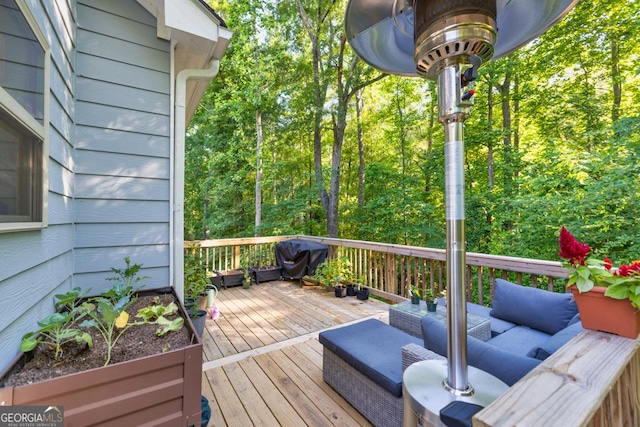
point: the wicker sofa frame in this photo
(379, 406)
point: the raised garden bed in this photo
(156, 389)
(231, 278)
(265, 273)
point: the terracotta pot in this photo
(601, 313)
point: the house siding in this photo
(122, 164)
(109, 162)
(35, 265)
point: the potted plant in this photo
(416, 294)
(362, 293)
(195, 282)
(431, 300)
(138, 382)
(336, 272)
(246, 278)
(612, 292)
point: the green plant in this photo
(246, 282)
(59, 328)
(107, 317)
(195, 276)
(157, 313)
(126, 279)
(416, 291)
(429, 296)
(622, 282)
(335, 272)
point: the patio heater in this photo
(447, 41)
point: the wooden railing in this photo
(391, 269)
(594, 380)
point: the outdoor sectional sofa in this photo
(364, 362)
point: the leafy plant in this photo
(107, 317)
(195, 276)
(416, 291)
(126, 279)
(622, 282)
(156, 313)
(59, 328)
(335, 272)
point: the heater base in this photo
(425, 395)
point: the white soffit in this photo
(191, 17)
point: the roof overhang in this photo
(199, 34)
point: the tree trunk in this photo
(505, 91)
(361, 173)
(490, 170)
(258, 221)
(617, 81)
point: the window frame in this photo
(13, 108)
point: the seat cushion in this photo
(548, 347)
(519, 340)
(373, 348)
(538, 309)
(508, 367)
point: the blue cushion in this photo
(498, 326)
(536, 308)
(548, 347)
(519, 340)
(373, 348)
(505, 366)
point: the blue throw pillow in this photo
(538, 309)
(556, 341)
(507, 367)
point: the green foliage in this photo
(127, 281)
(195, 275)
(109, 318)
(544, 144)
(61, 327)
(156, 314)
(334, 272)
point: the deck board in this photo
(263, 362)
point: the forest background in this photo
(296, 135)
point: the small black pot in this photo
(198, 318)
(415, 299)
(362, 294)
(340, 291)
(431, 306)
(351, 290)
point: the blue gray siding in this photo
(35, 265)
(109, 162)
(122, 152)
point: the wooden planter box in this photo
(216, 280)
(160, 390)
(266, 273)
(231, 278)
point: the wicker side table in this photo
(406, 317)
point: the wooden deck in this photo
(262, 359)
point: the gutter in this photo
(180, 128)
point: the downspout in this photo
(178, 181)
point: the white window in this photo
(24, 60)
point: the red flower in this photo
(607, 263)
(629, 270)
(571, 249)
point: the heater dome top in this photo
(382, 32)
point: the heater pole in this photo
(453, 110)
